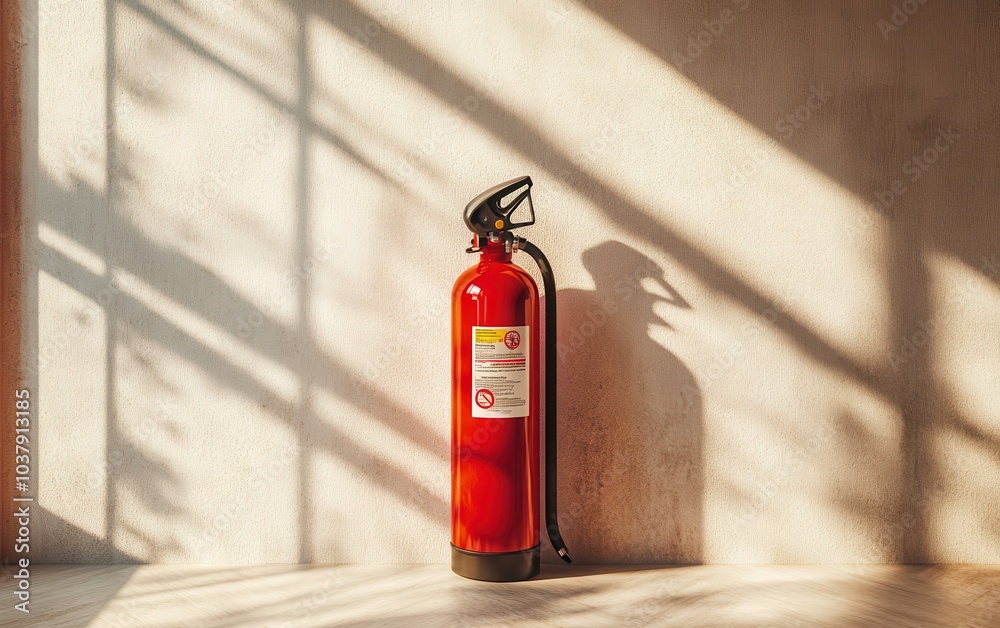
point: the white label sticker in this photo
(500, 372)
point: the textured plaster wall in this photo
(774, 228)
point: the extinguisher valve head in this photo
(493, 211)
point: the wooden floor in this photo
(430, 595)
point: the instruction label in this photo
(500, 372)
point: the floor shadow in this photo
(57, 591)
(562, 571)
(631, 432)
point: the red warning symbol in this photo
(512, 339)
(484, 399)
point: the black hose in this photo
(551, 477)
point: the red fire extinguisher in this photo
(495, 388)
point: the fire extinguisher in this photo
(495, 390)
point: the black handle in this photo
(551, 448)
(487, 213)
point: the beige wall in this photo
(778, 330)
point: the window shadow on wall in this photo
(911, 128)
(101, 221)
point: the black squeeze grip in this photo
(483, 212)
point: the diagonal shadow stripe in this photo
(262, 90)
(188, 281)
(526, 139)
(391, 478)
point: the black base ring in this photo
(496, 566)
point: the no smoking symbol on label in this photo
(484, 399)
(512, 339)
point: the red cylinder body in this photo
(494, 458)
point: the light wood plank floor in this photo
(430, 595)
